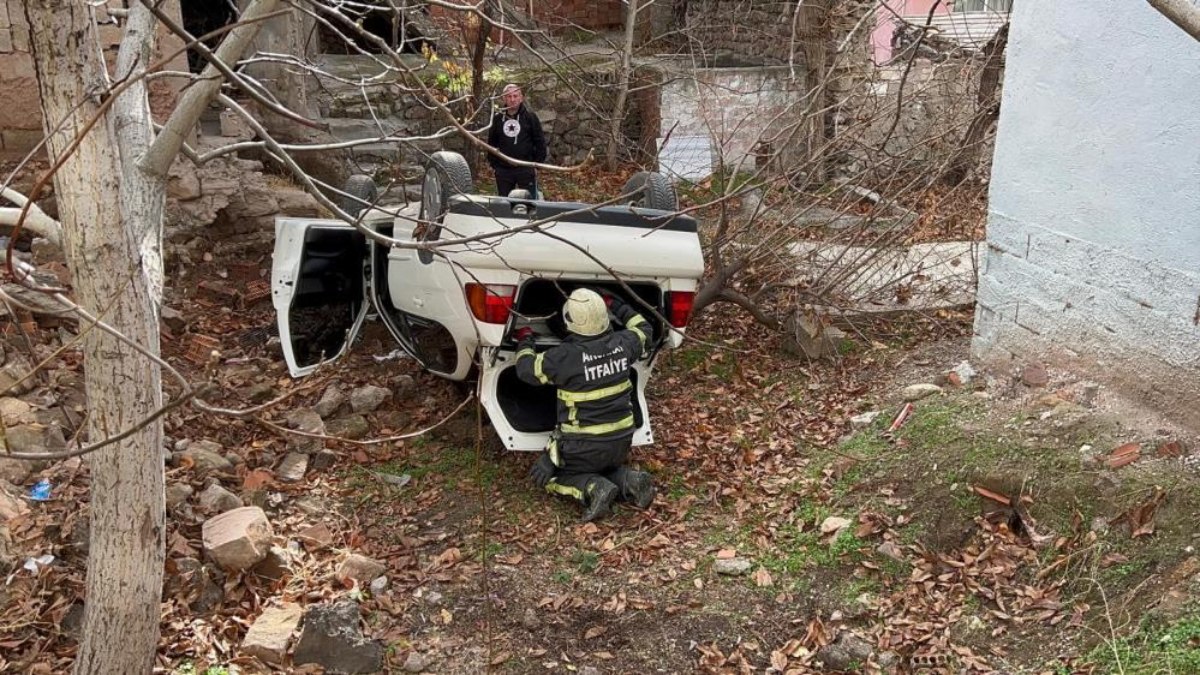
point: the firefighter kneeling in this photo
(585, 458)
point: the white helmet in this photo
(585, 313)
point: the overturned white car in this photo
(510, 262)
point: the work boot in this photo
(638, 489)
(601, 493)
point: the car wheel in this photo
(359, 188)
(446, 175)
(650, 190)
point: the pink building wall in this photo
(881, 37)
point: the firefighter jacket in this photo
(518, 136)
(592, 377)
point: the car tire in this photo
(446, 175)
(358, 187)
(650, 190)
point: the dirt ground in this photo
(1006, 526)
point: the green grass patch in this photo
(1153, 648)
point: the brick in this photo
(6, 41)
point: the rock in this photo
(368, 398)
(297, 203)
(261, 392)
(804, 336)
(864, 420)
(333, 399)
(434, 598)
(416, 662)
(323, 460)
(359, 568)
(731, 566)
(216, 499)
(267, 639)
(1035, 375)
(530, 619)
(393, 419)
(174, 320)
(331, 638)
(353, 427)
(309, 506)
(916, 392)
(848, 652)
(12, 376)
(308, 421)
(14, 411)
(202, 584)
(29, 438)
(178, 493)
(276, 566)
(964, 372)
(379, 585)
(11, 504)
(204, 456)
(237, 539)
(404, 386)
(891, 550)
(833, 524)
(292, 468)
(316, 537)
(1088, 392)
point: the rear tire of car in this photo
(358, 187)
(446, 175)
(650, 190)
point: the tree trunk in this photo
(623, 81)
(477, 104)
(102, 247)
(987, 111)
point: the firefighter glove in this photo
(524, 333)
(542, 470)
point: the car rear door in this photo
(318, 289)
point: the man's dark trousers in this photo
(509, 178)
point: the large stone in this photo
(13, 378)
(11, 504)
(292, 468)
(238, 539)
(177, 494)
(331, 638)
(368, 398)
(846, 653)
(216, 499)
(199, 582)
(731, 566)
(360, 568)
(276, 566)
(14, 411)
(333, 399)
(267, 639)
(298, 203)
(308, 421)
(916, 392)
(353, 427)
(33, 439)
(204, 456)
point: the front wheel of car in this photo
(650, 190)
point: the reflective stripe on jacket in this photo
(593, 377)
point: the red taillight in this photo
(491, 303)
(679, 307)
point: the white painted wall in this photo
(1094, 223)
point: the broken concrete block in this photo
(238, 539)
(267, 639)
(360, 568)
(368, 398)
(216, 499)
(331, 637)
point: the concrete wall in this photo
(1094, 224)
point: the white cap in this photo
(585, 313)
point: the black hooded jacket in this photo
(529, 144)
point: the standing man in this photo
(516, 132)
(588, 450)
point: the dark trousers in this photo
(580, 461)
(510, 178)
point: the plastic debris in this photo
(41, 491)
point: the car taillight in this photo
(679, 307)
(491, 303)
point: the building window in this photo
(999, 6)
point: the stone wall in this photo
(563, 15)
(21, 115)
(1093, 243)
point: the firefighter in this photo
(588, 449)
